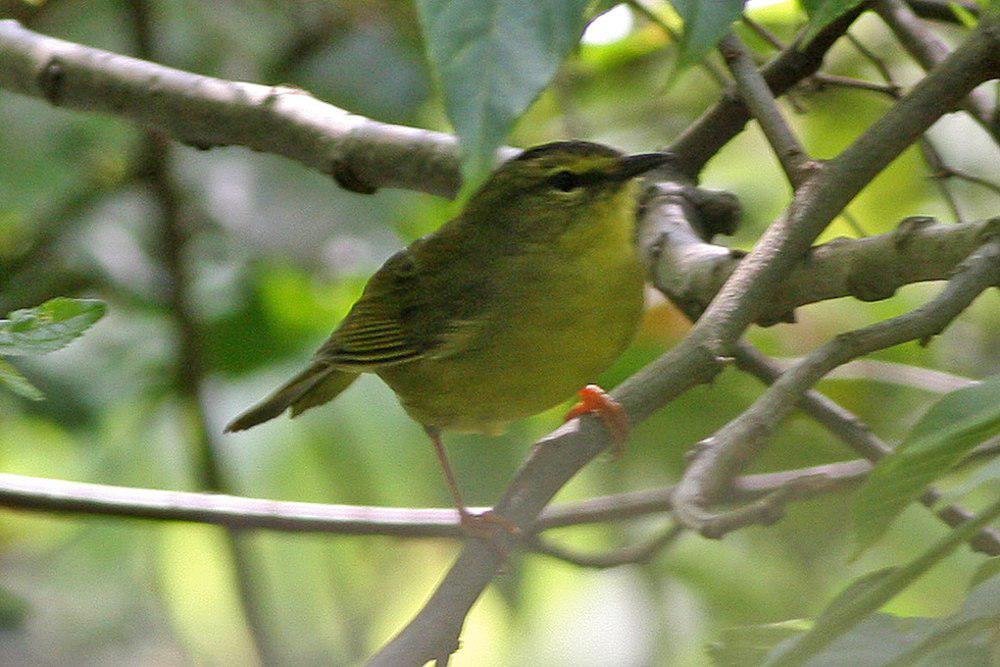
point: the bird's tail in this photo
(314, 386)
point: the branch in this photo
(757, 96)
(691, 272)
(65, 497)
(723, 454)
(929, 51)
(361, 154)
(435, 629)
(642, 552)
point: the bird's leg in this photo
(595, 400)
(483, 526)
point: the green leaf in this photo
(48, 327)
(14, 609)
(705, 22)
(493, 58)
(964, 16)
(952, 427)
(822, 13)
(749, 645)
(17, 383)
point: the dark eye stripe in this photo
(567, 181)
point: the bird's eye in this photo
(565, 181)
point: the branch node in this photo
(908, 228)
(51, 79)
(348, 178)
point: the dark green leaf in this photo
(822, 13)
(493, 58)
(705, 22)
(48, 327)
(13, 610)
(952, 427)
(17, 383)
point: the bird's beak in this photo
(633, 165)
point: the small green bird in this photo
(529, 294)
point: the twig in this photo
(697, 358)
(723, 454)
(758, 98)
(711, 68)
(929, 51)
(727, 118)
(928, 149)
(642, 552)
(926, 379)
(65, 497)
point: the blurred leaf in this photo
(850, 609)
(13, 610)
(493, 58)
(952, 426)
(48, 327)
(17, 383)
(705, 22)
(822, 13)
(987, 570)
(964, 16)
(749, 645)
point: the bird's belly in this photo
(517, 369)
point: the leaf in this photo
(493, 58)
(964, 16)
(822, 13)
(748, 645)
(48, 327)
(705, 22)
(17, 383)
(875, 641)
(946, 432)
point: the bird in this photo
(531, 292)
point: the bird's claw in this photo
(594, 400)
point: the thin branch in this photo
(713, 70)
(758, 98)
(633, 554)
(929, 51)
(723, 454)
(890, 372)
(558, 457)
(65, 497)
(859, 437)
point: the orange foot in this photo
(594, 400)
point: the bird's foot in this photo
(595, 400)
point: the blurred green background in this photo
(275, 256)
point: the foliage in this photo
(40, 330)
(946, 432)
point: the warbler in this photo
(530, 293)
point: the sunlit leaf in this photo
(48, 327)
(493, 58)
(11, 378)
(822, 13)
(705, 22)
(952, 427)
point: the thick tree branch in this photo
(722, 455)
(362, 154)
(435, 629)
(691, 272)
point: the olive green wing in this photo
(404, 314)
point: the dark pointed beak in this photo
(633, 165)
